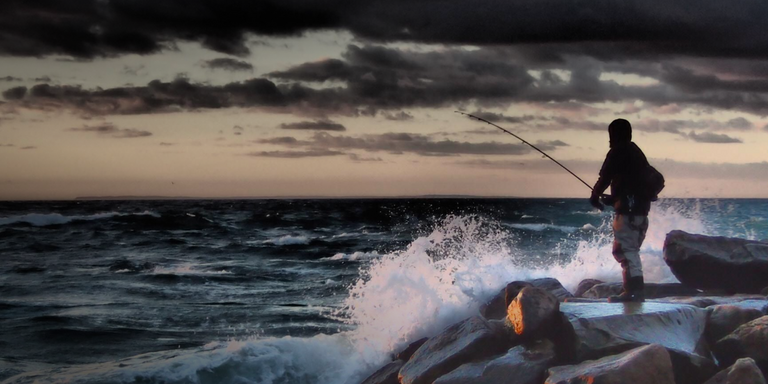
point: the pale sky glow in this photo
(347, 111)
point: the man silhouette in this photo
(622, 170)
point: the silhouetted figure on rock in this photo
(622, 170)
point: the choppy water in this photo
(287, 291)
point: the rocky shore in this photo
(710, 329)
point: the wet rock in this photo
(743, 371)
(748, 340)
(647, 364)
(553, 286)
(532, 312)
(707, 301)
(472, 339)
(690, 368)
(652, 290)
(527, 364)
(601, 329)
(585, 285)
(720, 263)
(725, 318)
(496, 308)
(386, 375)
(408, 352)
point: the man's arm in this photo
(607, 172)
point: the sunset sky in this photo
(356, 98)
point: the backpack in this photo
(652, 181)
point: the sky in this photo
(291, 98)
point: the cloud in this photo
(357, 158)
(296, 154)
(42, 79)
(318, 125)
(228, 64)
(712, 138)
(10, 78)
(110, 130)
(499, 117)
(6, 145)
(165, 144)
(28, 147)
(398, 116)
(15, 93)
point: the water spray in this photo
(527, 143)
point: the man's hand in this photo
(595, 201)
(607, 199)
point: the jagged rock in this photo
(386, 375)
(408, 352)
(496, 308)
(690, 368)
(526, 364)
(704, 262)
(652, 290)
(748, 340)
(553, 286)
(468, 340)
(725, 318)
(585, 285)
(600, 329)
(743, 371)
(532, 312)
(647, 364)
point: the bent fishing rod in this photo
(527, 143)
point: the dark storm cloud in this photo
(228, 64)
(712, 138)
(318, 125)
(15, 93)
(10, 78)
(93, 28)
(499, 117)
(113, 131)
(296, 154)
(398, 143)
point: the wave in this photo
(46, 219)
(353, 256)
(543, 227)
(288, 240)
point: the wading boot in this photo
(634, 288)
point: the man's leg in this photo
(628, 235)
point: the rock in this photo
(466, 341)
(652, 290)
(725, 318)
(707, 301)
(743, 371)
(553, 286)
(526, 364)
(690, 368)
(532, 312)
(585, 285)
(764, 291)
(408, 352)
(602, 329)
(385, 375)
(748, 340)
(647, 364)
(496, 308)
(704, 262)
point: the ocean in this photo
(288, 291)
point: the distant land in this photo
(290, 197)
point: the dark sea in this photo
(287, 291)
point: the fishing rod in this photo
(529, 144)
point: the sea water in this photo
(288, 291)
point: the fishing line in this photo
(529, 144)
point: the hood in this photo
(619, 132)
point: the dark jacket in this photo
(621, 170)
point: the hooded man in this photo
(622, 170)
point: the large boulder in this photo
(647, 364)
(553, 286)
(468, 340)
(386, 375)
(748, 340)
(527, 364)
(743, 371)
(533, 312)
(408, 352)
(725, 318)
(496, 308)
(717, 263)
(596, 330)
(652, 290)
